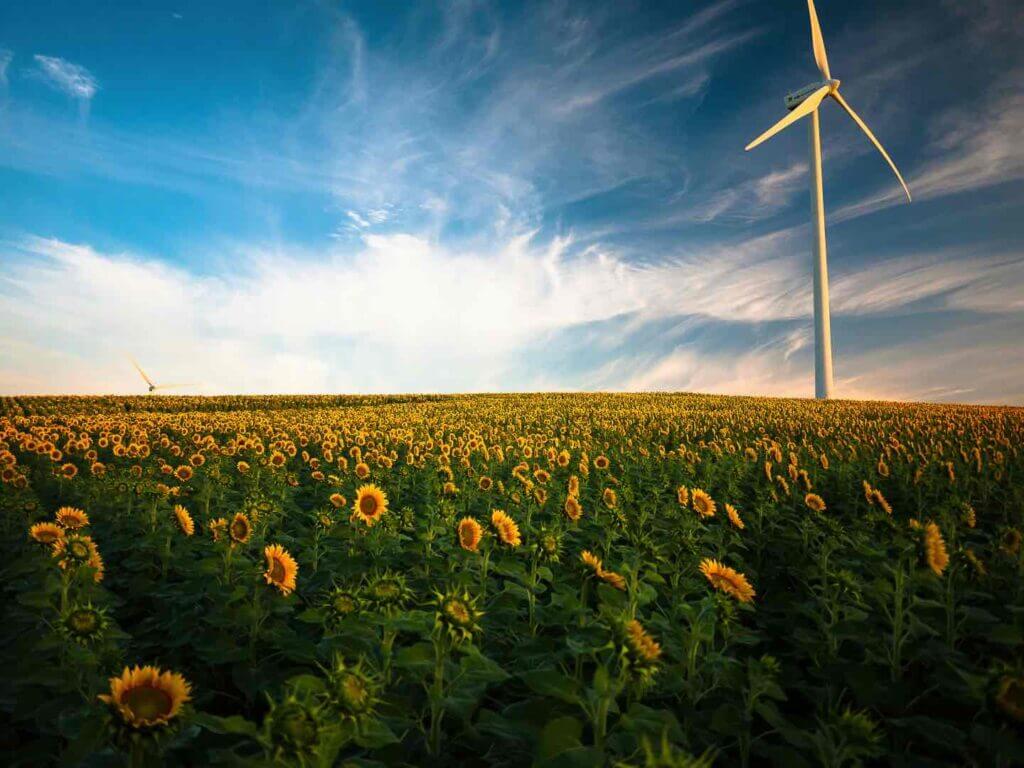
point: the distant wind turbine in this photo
(800, 104)
(149, 382)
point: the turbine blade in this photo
(141, 372)
(876, 142)
(176, 386)
(818, 42)
(807, 106)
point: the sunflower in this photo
(935, 549)
(734, 516)
(370, 504)
(457, 615)
(362, 470)
(146, 697)
(591, 560)
(46, 533)
(880, 500)
(610, 498)
(1010, 542)
(613, 578)
(218, 526)
(683, 496)
(641, 643)
(506, 527)
(84, 624)
(703, 504)
(338, 501)
(470, 533)
(815, 502)
(73, 550)
(353, 691)
(485, 483)
(183, 473)
(293, 729)
(601, 462)
(69, 470)
(71, 518)
(725, 579)
(573, 510)
(343, 602)
(188, 527)
(574, 486)
(1010, 697)
(387, 592)
(281, 568)
(240, 528)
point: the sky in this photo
(479, 196)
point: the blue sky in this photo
(472, 196)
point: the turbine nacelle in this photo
(796, 98)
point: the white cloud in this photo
(75, 80)
(6, 57)
(401, 313)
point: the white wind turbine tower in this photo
(800, 104)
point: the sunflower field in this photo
(510, 580)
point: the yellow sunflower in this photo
(240, 529)
(591, 560)
(362, 470)
(337, 500)
(470, 533)
(703, 504)
(506, 527)
(935, 549)
(610, 498)
(683, 496)
(613, 578)
(815, 502)
(642, 644)
(146, 697)
(217, 527)
(371, 503)
(281, 568)
(71, 518)
(46, 533)
(185, 522)
(734, 516)
(725, 579)
(573, 510)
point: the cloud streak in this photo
(73, 79)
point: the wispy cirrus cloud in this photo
(6, 57)
(73, 79)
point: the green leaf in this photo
(234, 725)
(374, 734)
(559, 735)
(552, 682)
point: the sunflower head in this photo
(46, 533)
(73, 550)
(1010, 697)
(470, 532)
(727, 580)
(935, 549)
(146, 697)
(573, 509)
(814, 502)
(240, 529)
(457, 616)
(703, 504)
(370, 505)
(354, 690)
(71, 518)
(218, 527)
(641, 654)
(549, 545)
(506, 527)
(734, 516)
(281, 568)
(387, 592)
(292, 729)
(84, 624)
(342, 603)
(185, 522)
(610, 498)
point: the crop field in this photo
(513, 580)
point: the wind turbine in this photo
(800, 104)
(149, 382)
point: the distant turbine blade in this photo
(876, 142)
(807, 106)
(175, 386)
(818, 42)
(141, 372)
